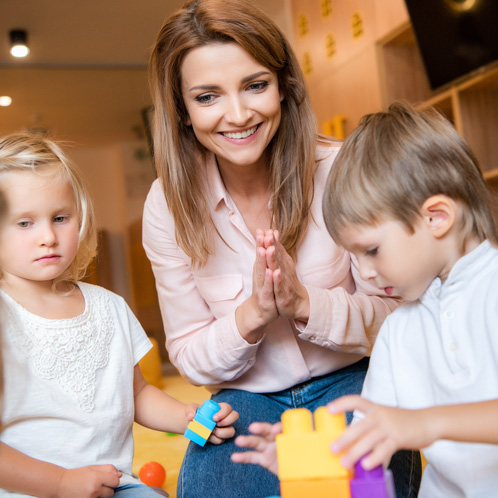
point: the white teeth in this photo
(243, 134)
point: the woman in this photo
(258, 303)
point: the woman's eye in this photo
(258, 86)
(205, 98)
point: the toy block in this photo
(316, 488)
(199, 429)
(375, 483)
(304, 453)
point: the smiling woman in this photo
(258, 303)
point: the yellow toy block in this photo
(315, 488)
(199, 429)
(304, 453)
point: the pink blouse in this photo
(198, 304)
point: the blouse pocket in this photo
(337, 273)
(220, 292)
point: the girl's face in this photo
(39, 238)
(233, 103)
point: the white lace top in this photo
(69, 383)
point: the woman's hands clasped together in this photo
(276, 291)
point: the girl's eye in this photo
(372, 252)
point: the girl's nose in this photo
(48, 237)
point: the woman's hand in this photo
(291, 297)
(383, 431)
(260, 309)
(263, 445)
(94, 481)
(224, 418)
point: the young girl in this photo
(406, 196)
(73, 386)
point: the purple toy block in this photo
(375, 483)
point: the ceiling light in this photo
(5, 101)
(19, 43)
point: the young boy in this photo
(406, 197)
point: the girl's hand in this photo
(263, 445)
(383, 431)
(225, 418)
(291, 297)
(94, 481)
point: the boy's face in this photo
(39, 238)
(399, 262)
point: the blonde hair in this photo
(176, 150)
(27, 152)
(393, 162)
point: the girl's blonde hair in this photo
(393, 162)
(177, 152)
(27, 152)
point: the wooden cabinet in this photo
(471, 102)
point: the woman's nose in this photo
(237, 112)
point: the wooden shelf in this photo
(470, 103)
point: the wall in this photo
(335, 41)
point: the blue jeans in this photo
(135, 491)
(209, 473)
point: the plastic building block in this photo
(199, 429)
(375, 483)
(316, 488)
(304, 453)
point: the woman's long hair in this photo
(177, 152)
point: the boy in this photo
(406, 197)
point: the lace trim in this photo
(69, 350)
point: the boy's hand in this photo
(224, 419)
(88, 482)
(383, 431)
(263, 445)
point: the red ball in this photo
(152, 474)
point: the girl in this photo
(73, 386)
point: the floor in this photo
(161, 447)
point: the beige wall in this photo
(345, 81)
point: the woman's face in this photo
(232, 101)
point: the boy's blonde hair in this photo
(28, 152)
(393, 162)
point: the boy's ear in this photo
(439, 212)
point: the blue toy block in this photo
(375, 483)
(199, 429)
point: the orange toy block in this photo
(303, 453)
(316, 488)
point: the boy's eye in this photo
(372, 252)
